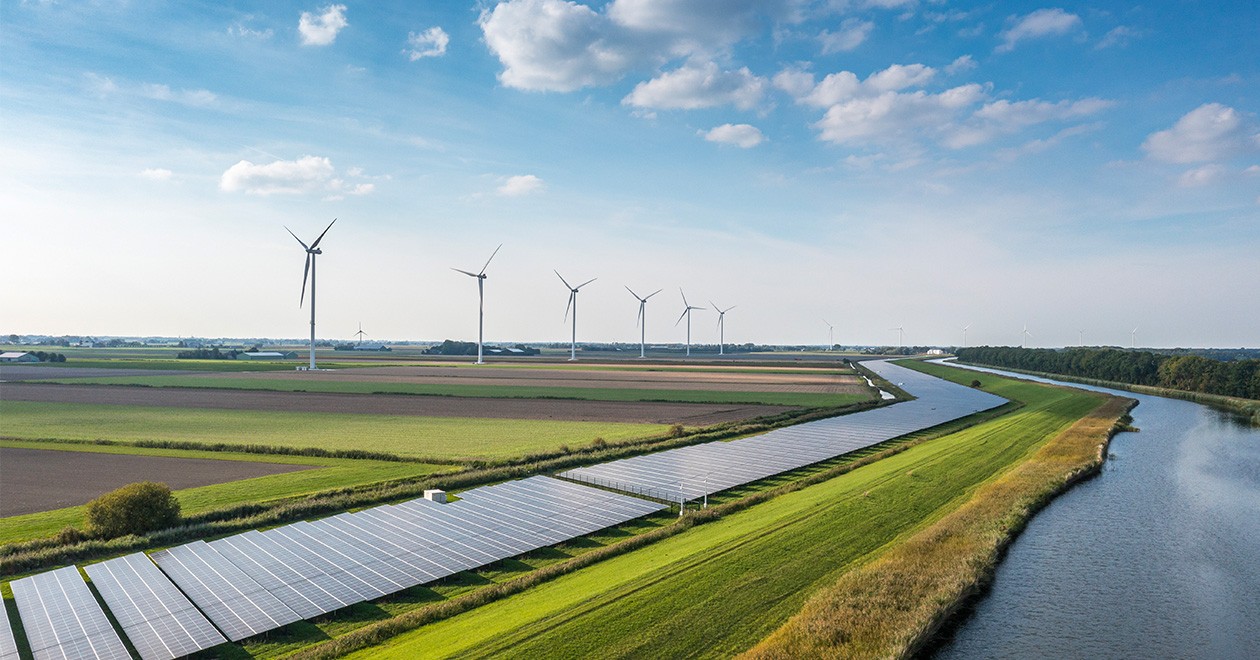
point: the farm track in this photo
(691, 414)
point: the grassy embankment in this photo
(718, 588)
(802, 399)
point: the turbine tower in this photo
(831, 334)
(1023, 343)
(900, 334)
(481, 300)
(360, 333)
(573, 291)
(1082, 332)
(721, 324)
(1133, 338)
(686, 313)
(641, 322)
(965, 329)
(312, 251)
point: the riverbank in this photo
(895, 605)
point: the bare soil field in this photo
(690, 414)
(33, 480)
(811, 381)
(20, 372)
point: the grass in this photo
(331, 473)
(802, 399)
(404, 435)
(718, 588)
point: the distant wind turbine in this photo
(1133, 338)
(312, 251)
(360, 333)
(481, 300)
(1026, 335)
(965, 329)
(721, 324)
(573, 291)
(686, 313)
(1082, 332)
(900, 334)
(641, 322)
(831, 335)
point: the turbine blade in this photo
(636, 296)
(496, 251)
(566, 282)
(714, 306)
(305, 273)
(654, 293)
(684, 297)
(680, 318)
(585, 283)
(639, 318)
(464, 272)
(572, 295)
(729, 308)
(321, 236)
(304, 246)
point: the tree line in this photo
(1191, 373)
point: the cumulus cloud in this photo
(305, 175)
(744, 136)
(196, 97)
(962, 64)
(430, 43)
(1201, 176)
(1209, 132)
(851, 34)
(321, 29)
(1041, 23)
(521, 184)
(1120, 35)
(1002, 116)
(155, 174)
(698, 85)
(240, 29)
(845, 85)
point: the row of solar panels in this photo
(691, 472)
(199, 595)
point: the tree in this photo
(133, 509)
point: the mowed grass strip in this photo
(718, 588)
(801, 399)
(331, 473)
(405, 435)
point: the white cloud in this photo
(1254, 170)
(305, 175)
(243, 31)
(744, 136)
(521, 184)
(960, 65)
(851, 34)
(843, 86)
(894, 116)
(1041, 23)
(430, 43)
(155, 174)
(698, 86)
(1120, 35)
(1201, 176)
(197, 97)
(1209, 132)
(322, 29)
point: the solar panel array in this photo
(62, 618)
(159, 620)
(691, 472)
(8, 645)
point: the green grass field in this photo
(719, 588)
(406, 435)
(331, 473)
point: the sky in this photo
(1081, 170)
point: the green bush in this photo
(133, 509)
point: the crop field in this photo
(718, 588)
(404, 435)
(326, 473)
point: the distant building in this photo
(17, 356)
(372, 347)
(935, 351)
(267, 355)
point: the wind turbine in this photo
(900, 334)
(573, 290)
(1082, 332)
(312, 251)
(965, 329)
(1133, 338)
(1024, 339)
(641, 322)
(360, 333)
(831, 334)
(481, 300)
(686, 313)
(722, 327)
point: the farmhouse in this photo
(267, 355)
(17, 356)
(372, 347)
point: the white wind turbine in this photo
(721, 324)
(1133, 338)
(1082, 337)
(831, 335)
(900, 335)
(360, 333)
(312, 251)
(573, 291)
(686, 313)
(481, 300)
(965, 329)
(641, 322)
(1026, 335)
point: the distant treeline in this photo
(208, 354)
(450, 347)
(1191, 373)
(49, 357)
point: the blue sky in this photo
(928, 165)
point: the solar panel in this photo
(304, 587)
(691, 472)
(62, 618)
(159, 620)
(239, 606)
(8, 645)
